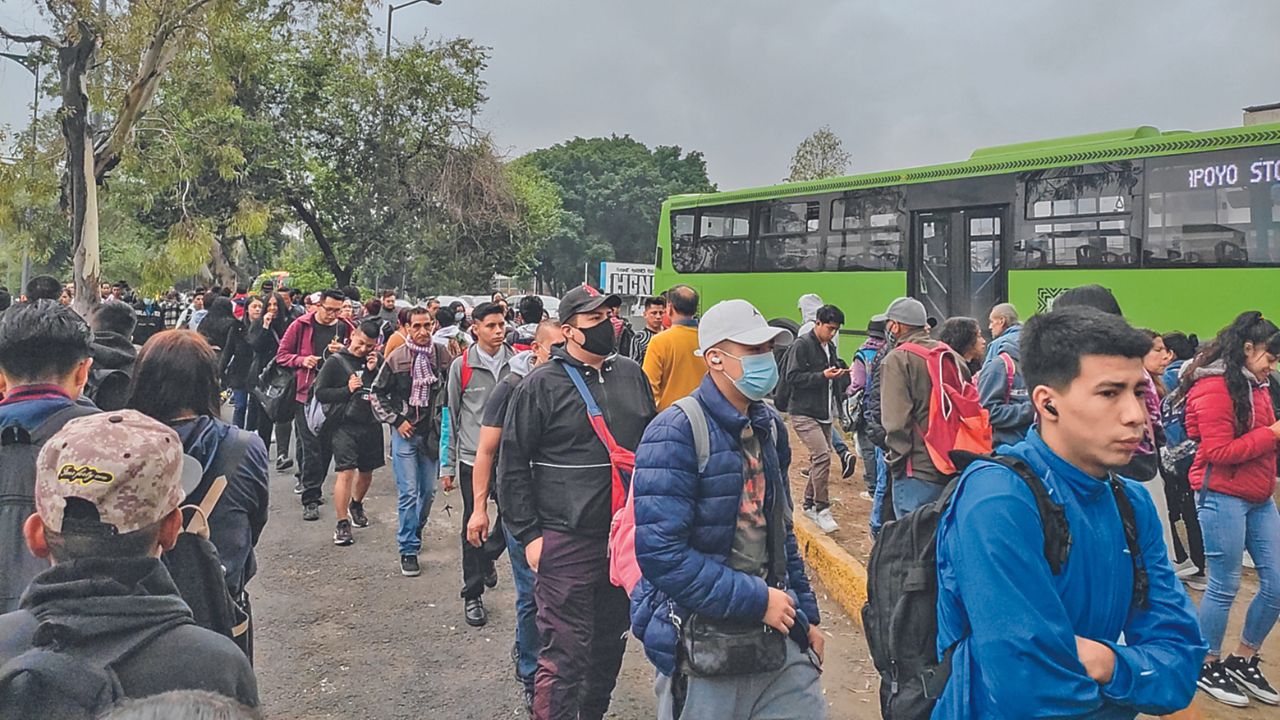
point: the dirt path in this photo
(341, 634)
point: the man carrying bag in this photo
(724, 607)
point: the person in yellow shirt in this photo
(673, 369)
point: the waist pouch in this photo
(715, 648)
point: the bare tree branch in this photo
(44, 40)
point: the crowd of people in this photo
(1076, 472)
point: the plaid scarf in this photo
(423, 373)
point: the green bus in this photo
(1184, 228)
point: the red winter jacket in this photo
(1243, 466)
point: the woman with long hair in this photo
(1229, 411)
(264, 337)
(217, 323)
(176, 382)
(238, 360)
(964, 335)
(1183, 348)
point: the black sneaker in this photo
(491, 580)
(342, 534)
(358, 518)
(847, 464)
(1215, 681)
(311, 511)
(1249, 676)
(528, 698)
(297, 486)
(409, 566)
(284, 462)
(475, 613)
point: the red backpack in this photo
(957, 420)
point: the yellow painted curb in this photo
(844, 576)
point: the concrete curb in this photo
(844, 576)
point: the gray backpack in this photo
(18, 452)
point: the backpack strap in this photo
(52, 424)
(620, 459)
(1008, 376)
(701, 431)
(1129, 520)
(466, 370)
(1057, 532)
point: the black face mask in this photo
(598, 339)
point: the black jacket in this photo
(89, 603)
(111, 351)
(238, 359)
(811, 393)
(332, 391)
(555, 471)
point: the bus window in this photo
(871, 237)
(1218, 208)
(722, 242)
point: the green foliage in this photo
(611, 190)
(821, 155)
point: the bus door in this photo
(956, 266)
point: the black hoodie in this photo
(95, 602)
(555, 471)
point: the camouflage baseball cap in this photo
(129, 466)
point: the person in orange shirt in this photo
(670, 364)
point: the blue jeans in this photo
(882, 485)
(910, 493)
(837, 440)
(416, 485)
(1230, 525)
(528, 642)
(246, 413)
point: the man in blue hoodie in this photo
(1024, 641)
(1001, 388)
(44, 365)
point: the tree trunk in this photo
(341, 274)
(221, 266)
(81, 196)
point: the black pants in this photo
(314, 456)
(477, 562)
(583, 620)
(1181, 500)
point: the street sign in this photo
(629, 279)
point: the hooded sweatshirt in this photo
(1242, 465)
(1013, 623)
(93, 604)
(112, 351)
(809, 304)
(241, 513)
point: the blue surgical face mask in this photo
(759, 375)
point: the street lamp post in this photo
(31, 63)
(392, 8)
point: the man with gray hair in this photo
(1001, 389)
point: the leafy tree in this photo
(611, 189)
(148, 37)
(821, 155)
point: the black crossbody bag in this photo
(715, 647)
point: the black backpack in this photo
(69, 683)
(782, 393)
(18, 452)
(900, 618)
(196, 567)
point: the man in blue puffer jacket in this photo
(703, 538)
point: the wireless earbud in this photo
(715, 360)
(1049, 408)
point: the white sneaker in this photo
(811, 513)
(1197, 581)
(866, 495)
(1185, 568)
(1248, 561)
(826, 523)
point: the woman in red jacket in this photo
(1229, 411)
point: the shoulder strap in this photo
(1057, 532)
(1129, 520)
(1008, 375)
(466, 369)
(701, 432)
(596, 417)
(54, 422)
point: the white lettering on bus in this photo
(1262, 171)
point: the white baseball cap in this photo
(740, 322)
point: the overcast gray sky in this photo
(903, 82)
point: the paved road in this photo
(341, 634)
